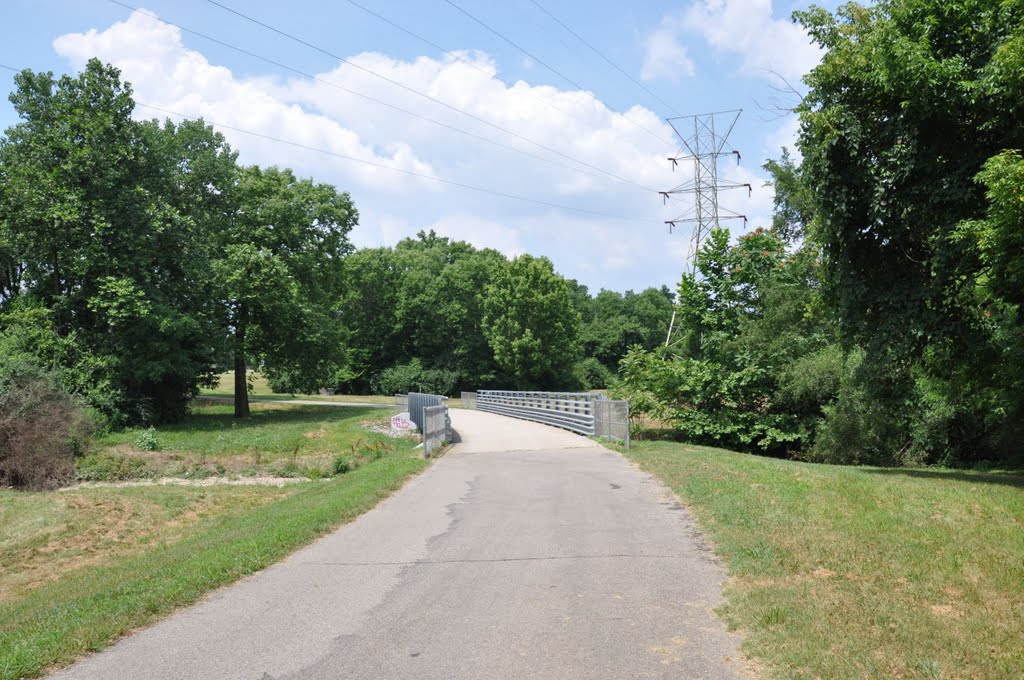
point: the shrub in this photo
(315, 473)
(591, 374)
(341, 465)
(42, 427)
(291, 469)
(146, 440)
(414, 377)
(110, 467)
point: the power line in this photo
(602, 55)
(548, 67)
(421, 94)
(367, 97)
(518, 47)
(455, 56)
(411, 173)
(419, 37)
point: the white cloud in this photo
(784, 136)
(665, 57)
(481, 233)
(748, 29)
(599, 251)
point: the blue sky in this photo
(586, 138)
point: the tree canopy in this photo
(152, 257)
(878, 320)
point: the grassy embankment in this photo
(843, 572)
(82, 566)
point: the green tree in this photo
(420, 301)
(793, 200)
(911, 100)
(531, 324)
(369, 316)
(278, 267)
(102, 221)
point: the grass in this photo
(261, 390)
(276, 435)
(841, 572)
(83, 566)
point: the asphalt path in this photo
(524, 552)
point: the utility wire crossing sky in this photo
(532, 126)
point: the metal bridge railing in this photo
(430, 413)
(436, 428)
(586, 413)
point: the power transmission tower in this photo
(704, 138)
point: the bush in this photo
(291, 469)
(341, 465)
(42, 428)
(591, 374)
(109, 467)
(413, 377)
(146, 440)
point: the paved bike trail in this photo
(524, 552)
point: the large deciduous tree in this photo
(105, 222)
(278, 265)
(531, 324)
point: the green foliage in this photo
(793, 199)
(711, 403)
(413, 377)
(999, 237)
(904, 132)
(531, 324)
(146, 440)
(422, 299)
(278, 267)
(341, 465)
(425, 299)
(614, 322)
(102, 222)
(756, 362)
(591, 374)
(105, 466)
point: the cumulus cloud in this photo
(166, 75)
(748, 29)
(572, 134)
(665, 56)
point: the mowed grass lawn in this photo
(842, 572)
(261, 390)
(83, 566)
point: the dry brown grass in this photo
(45, 536)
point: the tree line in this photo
(879, 319)
(876, 321)
(432, 314)
(139, 259)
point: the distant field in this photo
(83, 566)
(261, 390)
(841, 572)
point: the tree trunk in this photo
(241, 387)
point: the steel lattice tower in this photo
(704, 138)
